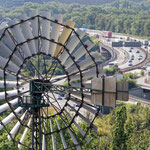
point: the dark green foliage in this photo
(118, 132)
(4, 143)
(142, 73)
(126, 128)
(131, 78)
(137, 128)
(130, 19)
(119, 4)
(111, 71)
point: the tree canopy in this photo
(126, 20)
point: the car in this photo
(145, 47)
(137, 51)
(140, 55)
(76, 105)
(139, 58)
(144, 68)
(130, 64)
(59, 97)
(130, 61)
(130, 50)
(108, 40)
(132, 57)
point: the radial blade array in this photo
(45, 68)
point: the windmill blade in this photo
(5, 106)
(74, 139)
(83, 118)
(16, 127)
(11, 67)
(2, 32)
(18, 35)
(6, 52)
(8, 75)
(10, 117)
(88, 107)
(55, 33)
(24, 134)
(27, 32)
(16, 60)
(53, 137)
(45, 25)
(9, 84)
(64, 37)
(71, 45)
(13, 93)
(34, 22)
(85, 75)
(79, 53)
(82, 51)
(61, 134)
(44, 142)
(9, 42)
(9, 94)
(78, 85)
(84, 64)
(79, 96)
(78, 127)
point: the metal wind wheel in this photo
(44, 69)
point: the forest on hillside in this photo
(129, 4)
(129, 21)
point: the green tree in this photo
(142, 73)
(118, 132)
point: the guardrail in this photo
(127, 56)
(112, 52)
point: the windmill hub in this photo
(36, 98)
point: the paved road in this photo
(135, 61)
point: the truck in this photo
(107, 34)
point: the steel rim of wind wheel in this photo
(32, 52)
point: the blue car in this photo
(59, 97)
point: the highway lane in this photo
(136, 55)
(123, 54)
